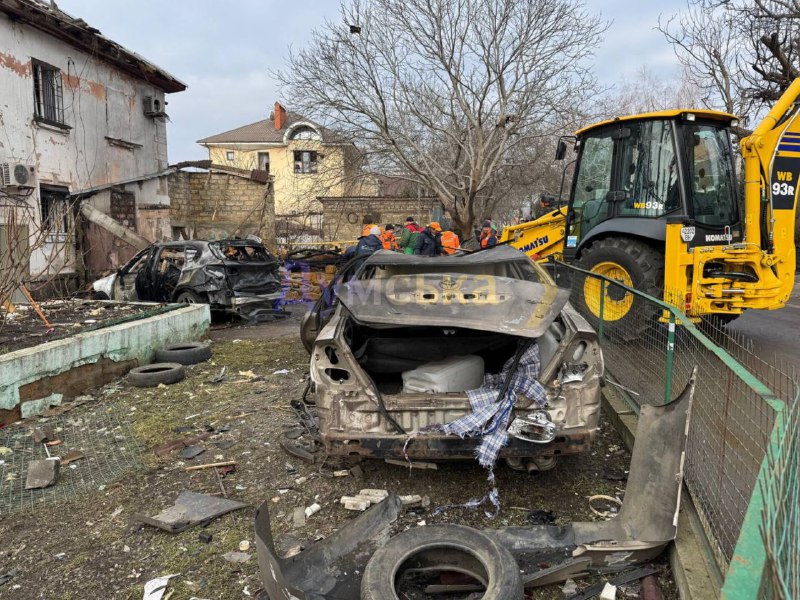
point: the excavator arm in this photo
(540, 238)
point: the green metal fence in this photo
(650, 348)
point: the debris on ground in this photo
(42, 473)
(71, 457)
(609, 592)
(191, 509)
(6, 577)
(237, 557)
(43, 434)
(569, 588)
(191, 452)
(155, 588)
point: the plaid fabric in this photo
(490, 416)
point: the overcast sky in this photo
(224, 50)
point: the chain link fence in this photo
(650, 348)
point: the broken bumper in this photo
(647, 522)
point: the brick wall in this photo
(211, 205)
(343, 218)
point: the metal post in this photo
(670, 352)
(602, 309)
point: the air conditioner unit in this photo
(17, 175)
(154, 107)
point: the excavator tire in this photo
(632, 263)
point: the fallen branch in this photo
(226, 463)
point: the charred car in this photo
(400, 339)
(235, 275)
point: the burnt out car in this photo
(236, 275)
(402, 339)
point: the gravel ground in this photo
(93, 546)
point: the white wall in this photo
(99, 102)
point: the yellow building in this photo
(305, 159)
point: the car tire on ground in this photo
(423, 547)
(189, 297)
(155, 374)
(187, 353)
(632, 263)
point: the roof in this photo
(47, 17)
(664, 114)
(264, 132)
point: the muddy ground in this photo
(93, 546)
(23, 327)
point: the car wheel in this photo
(156, 374)
(632, 263)
(189, 297)
(438, 548)
(188, 353)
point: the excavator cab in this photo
(635, 173)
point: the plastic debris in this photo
(244, 546)
(314, 508)
(190, 509)
(353, 503)
(155, 588)
(609, 592)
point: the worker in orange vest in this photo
(365, 230)
(388, 238)
(450, 242)
(488, 236)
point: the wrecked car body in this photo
(363, 560)
(409, 336)
(236, 275)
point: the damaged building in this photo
(84, 139)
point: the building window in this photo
(305, 161)
(55, 209)
(263, 161)
(229, 155)
(48, 94)
(304, 132)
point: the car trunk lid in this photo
(481, 302)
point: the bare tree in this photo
(446, 90)
(707, 44)
(742, 53)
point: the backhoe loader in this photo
(653, 205)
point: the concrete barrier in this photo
(32, 379)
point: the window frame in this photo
(48, 110)
(259, 156)
(49, 197)
(303, 167)
(230, 155)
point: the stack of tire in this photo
(168, 367)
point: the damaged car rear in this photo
(413, 341)
(235, 275)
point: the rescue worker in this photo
(366, 229)
(408, 239)
(388, 239)
(488, 235)
(367, 244)
(450, 242)
(429, 241)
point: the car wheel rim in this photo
(617, 302)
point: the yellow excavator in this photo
(654, 205)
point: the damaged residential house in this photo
(83, 150)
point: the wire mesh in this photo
(731, 421)
(99, 432)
